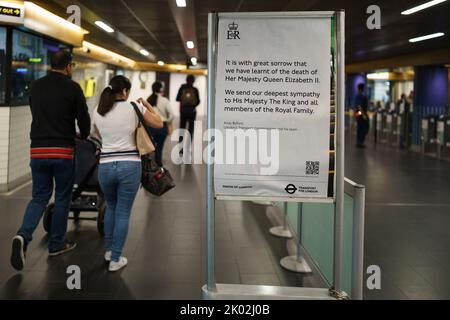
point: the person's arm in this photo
(82, 113)
(95, 133)
(198, 96)
(150, 116)
(168, 109)
(180, 91)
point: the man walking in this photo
(56, 102)
(189, 99)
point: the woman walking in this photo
(162, 106)
(115, 122)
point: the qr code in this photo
(312, 167)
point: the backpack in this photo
(189, 98)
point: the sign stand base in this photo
(281, 232)
(259, 292)
(295, 264)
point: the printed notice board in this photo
(273, 108)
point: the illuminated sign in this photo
(35, 60)
(8, 11)
(11, 13)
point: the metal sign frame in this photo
(339, 19)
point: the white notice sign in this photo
(273, 100)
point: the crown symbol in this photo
(233, 26)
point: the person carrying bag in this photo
(155, 179)
(162, 106)
(120, 168)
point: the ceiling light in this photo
(422, 6)
(180, 67)
(104, 26)
(429, 36)
(190, 44)
(181, 3)
(378, 76)
(144, 52)
(160, 63)
(194, 61)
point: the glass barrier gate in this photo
(314, 234)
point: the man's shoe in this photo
(115, 266)
(18, 252)
(68, 246)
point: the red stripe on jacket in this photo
(51, 153)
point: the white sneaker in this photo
(115, 266)
(108, 256)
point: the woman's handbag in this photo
(144, 143)
(156, 180)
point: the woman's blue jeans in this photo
(120, 182)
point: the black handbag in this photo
(155, 179)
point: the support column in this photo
(430, 96)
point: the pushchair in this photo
(87, 194)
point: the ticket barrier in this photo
(374, 125)
(400, 130)
(382, 136)
(428, 138)
(405, 130)
(395, 129)
(443, 137)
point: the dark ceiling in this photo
(158, 27)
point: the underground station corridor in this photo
(167, 239)
(197, 152)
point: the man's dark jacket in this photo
(56, 102)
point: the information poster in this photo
(273, 101)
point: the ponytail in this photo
(156, 88)
(107, 100)
(108, 96)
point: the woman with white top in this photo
(115, 122)
(162, 106)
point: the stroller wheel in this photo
(101, 218)
(47, 220)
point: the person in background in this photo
(56, 102)
(362, 118)
(115, 122)
(162, 106)
(189, 99)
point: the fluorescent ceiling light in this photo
(429, 36)
(190, 44)
(181, 3)
(161, 63)
(144, 52)
(422, 6)
(194, 61)
(104, 26)
(378, 76)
